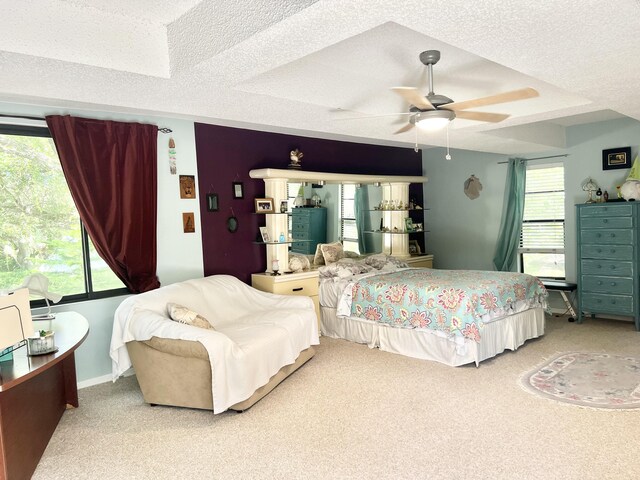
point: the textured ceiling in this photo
(308, 67)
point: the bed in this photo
(455, 317)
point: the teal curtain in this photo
(361, 203)
(506, 255)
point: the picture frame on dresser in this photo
(615, 158)
(414, 247)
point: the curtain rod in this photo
(541, 158)
(27, 117)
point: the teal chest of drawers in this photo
(309, 224)
(608, 255)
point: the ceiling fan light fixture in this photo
(434, 120)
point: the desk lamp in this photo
(38, 285)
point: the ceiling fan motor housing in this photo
(430, 57)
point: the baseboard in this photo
(103, 379)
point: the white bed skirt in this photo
(498, 335)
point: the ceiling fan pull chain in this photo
(415, 149)
(447, 156)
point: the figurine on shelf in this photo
(296, 157)
(605, 196)
(599, 195)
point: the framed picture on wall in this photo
(187, 186)
(188, 222)
(212, 202)
(238, 190)
(616, 158)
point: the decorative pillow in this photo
(318, 258)
(298, 263)
(382, 260)
(181, 314)
(332, 252)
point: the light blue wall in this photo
(463, 232)
(179, 254)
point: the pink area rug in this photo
(596, 380)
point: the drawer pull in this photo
(599, 250)
(299, 289)
(605, 221)
(613, 267)
(598, 235)
(598, 266)
(613, 235)
(598, 301)
(599, 282)
(613, 250)
(613, 284)
(613, 302)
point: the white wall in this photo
(179, 254)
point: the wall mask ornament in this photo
(472, 187)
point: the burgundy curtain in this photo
(111, 169)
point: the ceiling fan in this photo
(436, 111)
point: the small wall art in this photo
(238, 190)
(264, 205)
(187, 186)
(614, 158)
(188, 222)
(212, 202)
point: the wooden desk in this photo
(34, 393)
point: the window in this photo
(41, 230)
(542, 238)
(348, 229)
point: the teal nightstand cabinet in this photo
(608, 256)
(308, 224)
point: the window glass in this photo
(40, 229)
(542, 237)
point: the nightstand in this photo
(302, 283)
(419, 261)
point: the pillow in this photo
(181, 314)
(298, 263)
(317, 258)
(331, 252)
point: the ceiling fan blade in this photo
(414, 97)
(406, 128)
(482, 116)
(493, 99)
(375, 116)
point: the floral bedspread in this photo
(455, 302)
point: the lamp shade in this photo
(38, 284)
(432, 120)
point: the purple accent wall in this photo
(226, 155)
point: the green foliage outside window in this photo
(40, 230)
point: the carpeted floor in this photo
(352, 412)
